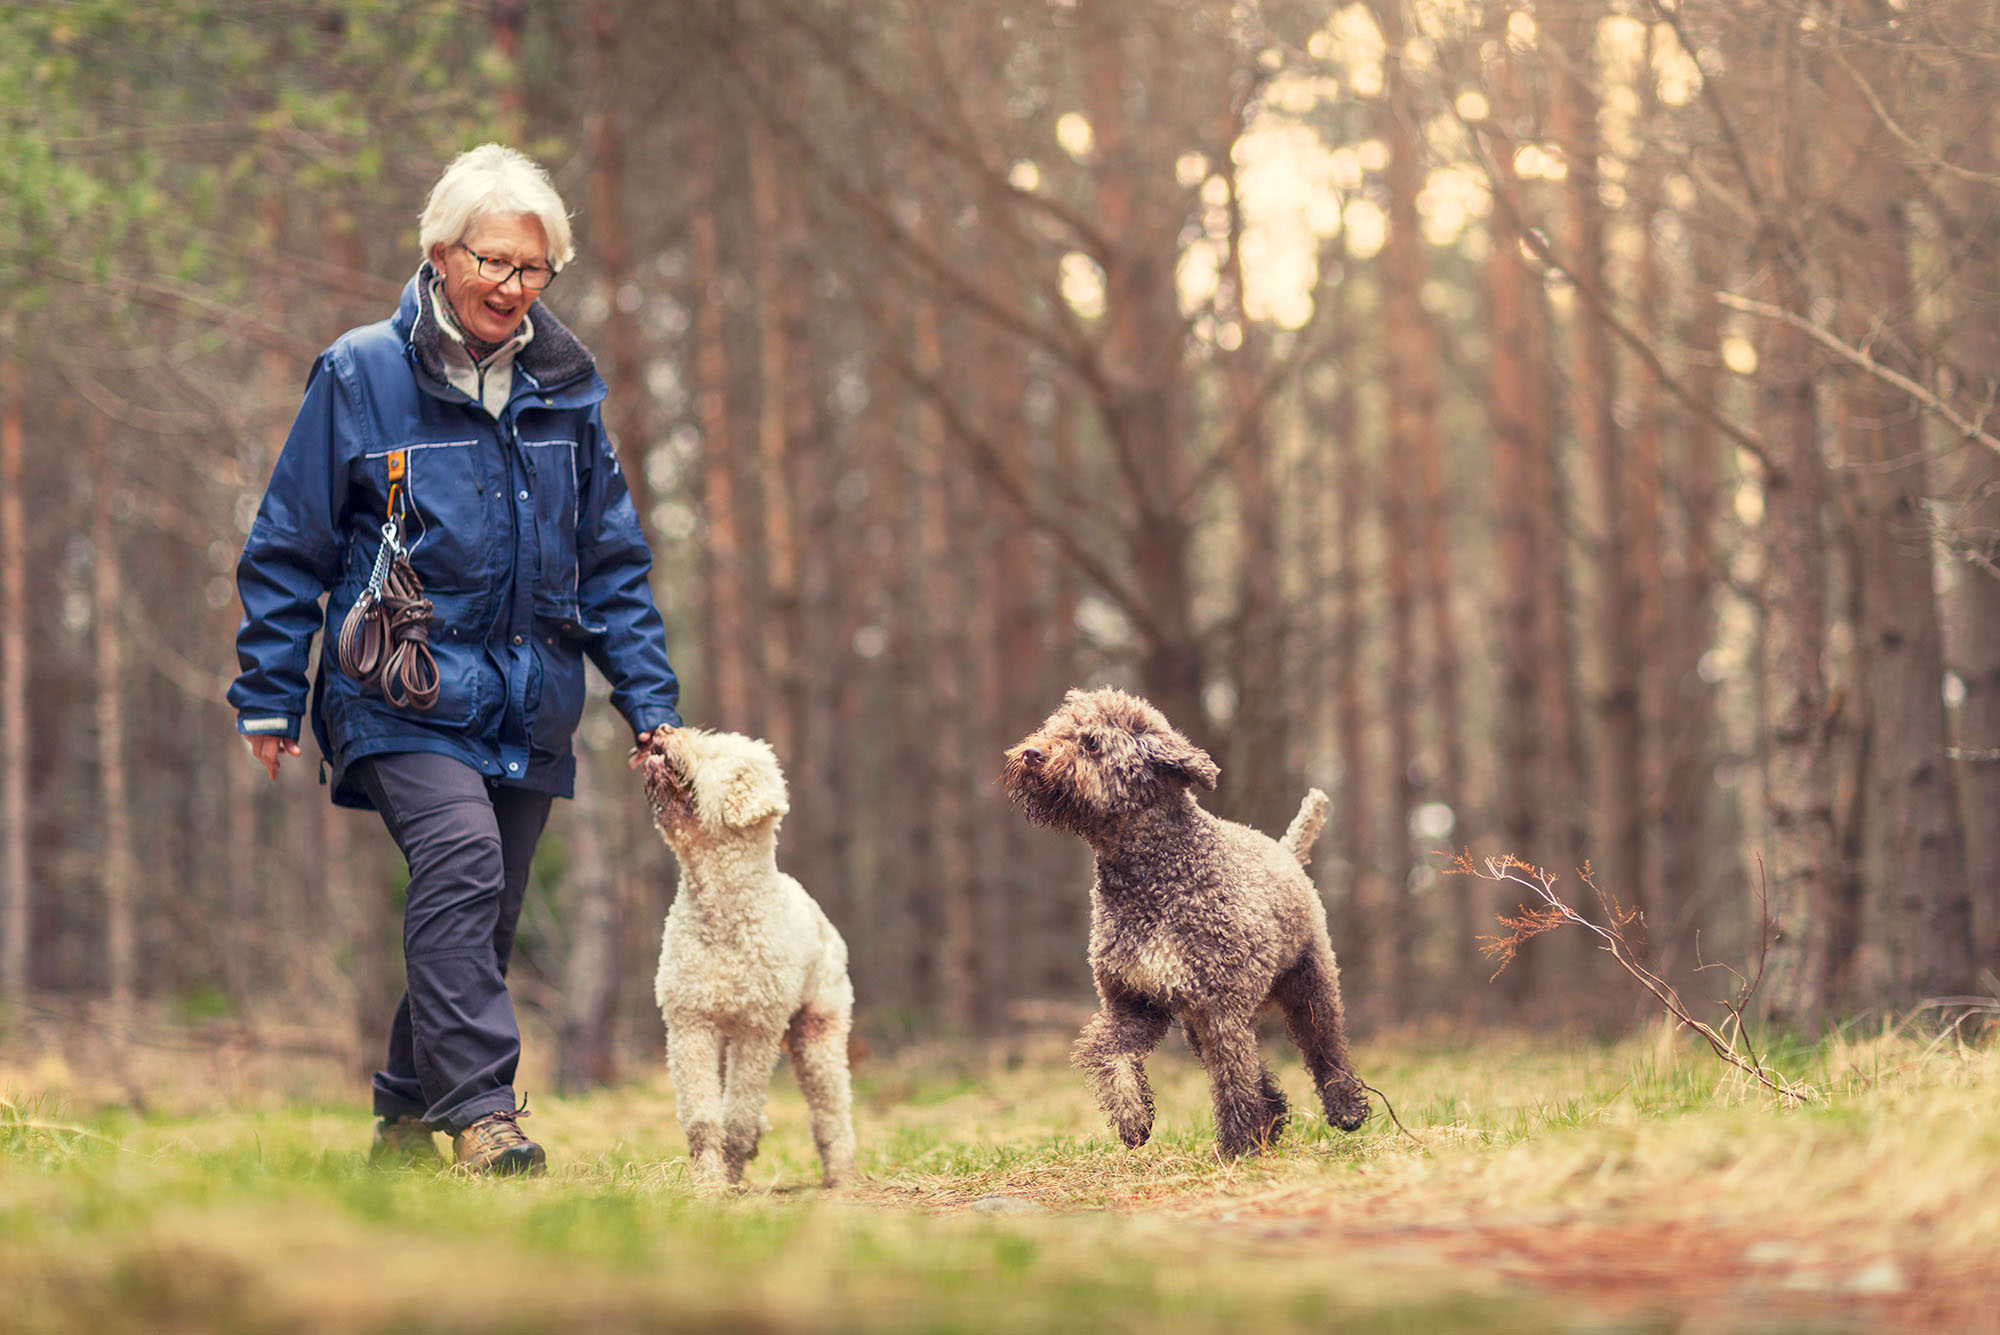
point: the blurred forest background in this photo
(1561, 429)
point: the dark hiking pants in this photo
(454, 1043)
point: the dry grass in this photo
(1635, 1187)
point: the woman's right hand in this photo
(268, 750)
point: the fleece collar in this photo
(550, 359)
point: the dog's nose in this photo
(1033, 756)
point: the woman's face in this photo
(490, 311)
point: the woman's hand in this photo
(269, 749)
(640, 741)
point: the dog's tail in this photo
(1305, 826)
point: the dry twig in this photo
(1551, 911)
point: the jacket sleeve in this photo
(289, 561)
(614, 569)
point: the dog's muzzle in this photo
(664, 780)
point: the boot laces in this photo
(503, 1128)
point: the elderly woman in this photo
(464, 433)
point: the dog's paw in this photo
(1237, 1145)
(1134, 1131)
(1347, 1107)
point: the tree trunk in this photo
(1689, 838)
(1354, 808)
(950, 874)
(1644, 598)
(1798, 775)
(1413, 450)
(1399, 699)
(1617, 844)
(15, 894)
(1517, 387)
(1260, 723)
(117, 869)
(1137, 392)
(611, 249)
(1915, 927)
(1970, 478)
(780, 303)
(728, 670)
(1414, 432)
(588, 1054)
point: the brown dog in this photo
(1193, 918)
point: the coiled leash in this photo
(385, 641)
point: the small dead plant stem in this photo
(1612, 928)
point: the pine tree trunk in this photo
(1645, 596)
(779, 310)
(1970, 478)
(724, 641)
(1798, 774)
(1689, 839)
(1259, 726)
(610, 247)
(15, 890)
(1616, 842)
(588, 1054)
(945, 693)
(1138, 389)
(1354, 808)
(118, 871)
(1915, 927)
(1517, 386)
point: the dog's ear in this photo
(1175, 757)
(749, 797)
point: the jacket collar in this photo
(553, 361)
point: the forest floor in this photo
(1541, 1185)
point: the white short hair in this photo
(487, 180)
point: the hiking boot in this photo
(494, 1144)
(403, 1142)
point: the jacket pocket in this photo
(444, 498)
(553, 483)
(558, 705)
(467, 682)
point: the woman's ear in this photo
(1176, 757)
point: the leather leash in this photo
(385, 640)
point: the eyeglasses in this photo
(534, 277)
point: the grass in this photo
(1544, 1185)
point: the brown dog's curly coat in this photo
(1193, 918)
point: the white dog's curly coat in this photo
(748, 962)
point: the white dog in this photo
(748, 962)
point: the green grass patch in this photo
(1537, 1178)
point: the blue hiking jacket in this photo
(521, 530)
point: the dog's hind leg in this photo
(752, 1057)
(694, 1059)
(1112, 1050)
(1309, 995)
(817, 1042)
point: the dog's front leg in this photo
(694, 1060)
(751, 1060)
(1249, 1107)
(1112, 1051)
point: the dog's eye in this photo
(1091, 745)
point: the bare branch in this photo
(1967, 429)
(1902, 136)
(1612, 933)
